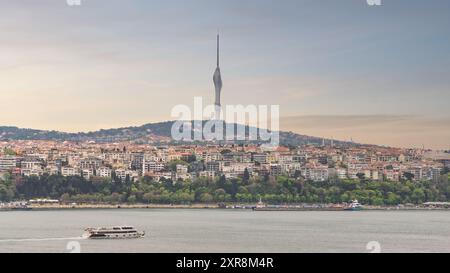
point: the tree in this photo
(220, 195)
(115, 197)
(222, 182)
(246, 176)
(7, 188)
(173, 164)
(225, 151)
(361, 176)
(377, 201)
(149, 197)
(192, 158)
(65, 198)
(6, 194)
(350, 184)
(392, 199)
(206, 198)
(8, 151)
(418, 196)
(409, 176)
(274, 189)
(132, 199)
(345, 197)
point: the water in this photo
(229, 231)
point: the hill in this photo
(148, 133)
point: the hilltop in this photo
(148, 133)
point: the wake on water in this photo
(42, 239)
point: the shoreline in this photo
(109, 207)
(212, 207)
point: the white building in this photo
(31, 172)
(122, 174)
(31, 164)
(8, 163)
(153, 166)
(182, 169)
(341, 173)
(208, 174)
(316, 174)
(87, 173)
(104, 172)
(70, 171)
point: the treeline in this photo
(272, 190)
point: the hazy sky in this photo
(337, 68)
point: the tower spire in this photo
(217, 77)
(218, 43)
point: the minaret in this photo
(217, 79)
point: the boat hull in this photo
(353, 209)
(125, 232)
(115, 236)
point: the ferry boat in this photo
(354, 206)
(21, 208)
(15, 206)
(119, 232)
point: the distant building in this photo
(70, 171)
(213, 166)
(181, 169)
(137, 161)
(8, 163)
(275, 170)
(122, 174)
(90, 163)
(315, 174)
(260, 158)
(31, 164)
(87, 173)
(207, 174)
(153, 166)
(32, 172)
(104, 172)
(341, 173)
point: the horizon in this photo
(169, 121)
(336, 70)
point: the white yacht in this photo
(354, 205)
(119, 232)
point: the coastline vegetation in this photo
(272, 190)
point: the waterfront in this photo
(179, 230)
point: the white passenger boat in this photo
(354, 206)
(119, 232)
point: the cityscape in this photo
(155, 169)
(26, 161)
(224, 126)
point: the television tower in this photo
(218, 78)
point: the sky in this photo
(338, 69)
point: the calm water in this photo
(230, 231)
